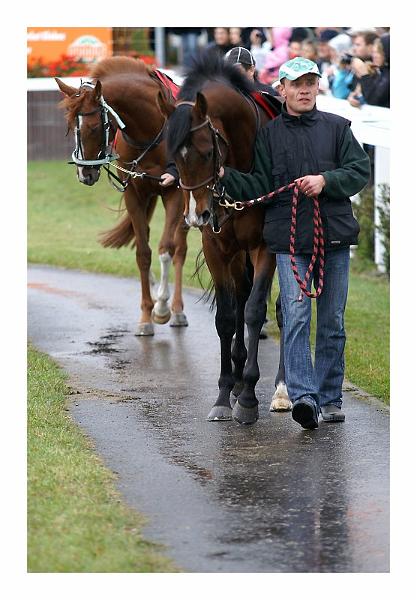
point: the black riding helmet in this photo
(239, 55)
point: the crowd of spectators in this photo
(354, 62)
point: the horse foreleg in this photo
(161, 312)
(280, 399)
(245, 410)
(143, 259)
(178, 318)
(219, 267)
(243, 284)
(225, 326)
(172, 200)
(136, 207)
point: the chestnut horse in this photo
(122, 98)
(215, 122)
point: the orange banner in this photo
(88, 44)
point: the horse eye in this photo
(209, 155)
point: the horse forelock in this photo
(179, 126)
(72, 105)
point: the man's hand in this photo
(359, 67)
(221, 172)
(167, 179)
(353, 100)
(311, 185)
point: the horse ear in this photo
(97, 89)
(66, 89)
(201, 105)
(164, 106)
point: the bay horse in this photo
(215, 122)
(116, 117)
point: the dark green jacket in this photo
(290, 147)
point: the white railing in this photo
(42, 84)
(370, 125)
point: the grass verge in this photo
(66, 217)
(76, 521)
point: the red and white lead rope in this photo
(318, 239)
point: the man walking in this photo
(319, 152)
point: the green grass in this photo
(76, 521)
(368, 334)
(65, 218)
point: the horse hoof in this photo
(238, 387)
(178, 319)
(161, 319)
(244, 415)
(280, 405)
(280, 400)
(220, 413)
(145, 329)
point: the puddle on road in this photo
(105, 346)
(101, 348)
(119, 365)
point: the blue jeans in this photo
(323, 381)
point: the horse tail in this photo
(120, 235)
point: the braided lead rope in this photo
(318, 237)
(318, 248)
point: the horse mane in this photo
(210, 66)
(207, 67)
(117, 65)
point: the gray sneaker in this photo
(332, 413)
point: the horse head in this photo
(199, 149)
(87, 116)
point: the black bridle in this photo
(216, 136)
(217, 189)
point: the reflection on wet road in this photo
(222, 497)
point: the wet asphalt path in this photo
(221, 497)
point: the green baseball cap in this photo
(296, 67)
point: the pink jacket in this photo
(276, 57)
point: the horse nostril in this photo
(91, 177)
(205, 215)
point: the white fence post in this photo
(160, 45)
(382, 176)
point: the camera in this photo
(346, 59)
